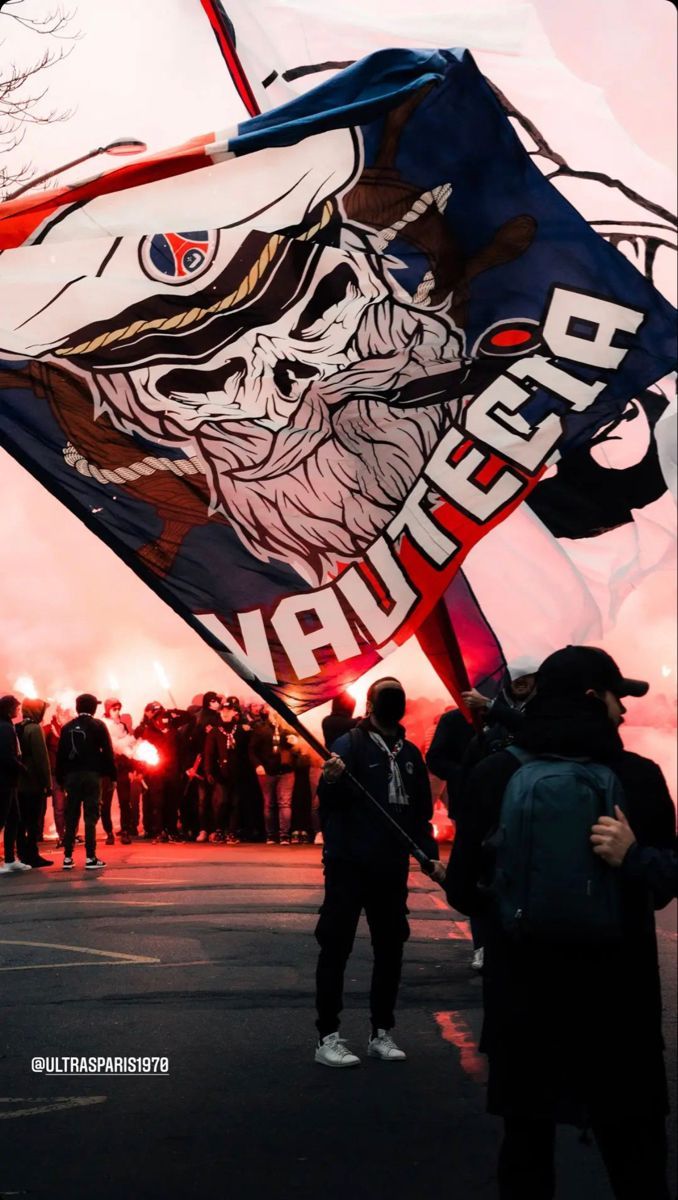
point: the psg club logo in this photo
(178, 258)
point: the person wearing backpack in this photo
(84, 758)
(366, 866)
(571, 990)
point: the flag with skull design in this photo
(292, 375)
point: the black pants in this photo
(161, 805)
(225, 800)
(123, 788)
(634, 1153)
(350, 888)
(9, 819)
(28, 831)
(83, 791)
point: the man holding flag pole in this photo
(366, 867)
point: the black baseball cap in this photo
(86, 703)
(575, 669)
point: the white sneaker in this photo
(202, 836)
(332, 1051)
(68, 864)
(17, 865)
(318, 840)
(478, 959)
(93, 864)
(382, 1046)
(6, 869)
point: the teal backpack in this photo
(548, 885)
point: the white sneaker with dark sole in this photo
(332, 1051)
(94, 864)
(382, 1046)
(68, 864)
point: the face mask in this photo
(388, 705)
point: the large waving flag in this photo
(292, 375)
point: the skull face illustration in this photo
(287, 398)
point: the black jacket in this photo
(84, 745)
(570, 1034)
(352, 829)
(11, 767)
(447, 755)
(658, 869)
(273, 753)
(334, 725)
(220, 752)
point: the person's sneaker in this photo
(270, 841)
(42, 862)
(295, 838)
(93, 864)
(318, 840)
(125, 839)
(332, 1051)
(478, 959)
(382, 1046)
(110, 840)
(6, 869)
(284, 841)
(59, 844)
(17, 865)
(202, 836)
(232, 840)
(67, 864)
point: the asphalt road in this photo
(205, 955)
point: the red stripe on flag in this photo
(231, 58)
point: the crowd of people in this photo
(219, 771)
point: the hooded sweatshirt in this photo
(38, 775)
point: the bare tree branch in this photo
(22, 86)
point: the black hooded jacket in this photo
(570, 1033)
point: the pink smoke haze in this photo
(599, 81)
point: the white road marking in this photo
(46, 1104)
(111, 958)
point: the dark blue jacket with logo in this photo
(352, 830)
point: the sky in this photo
(599, 80)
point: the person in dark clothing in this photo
(274, 753)
(35, 784)
(366, 866)
(615, 842)
(84, 758)
(162, 794)
(447, 755)
(206, 719)
(572, 1032)
(11, 770)
(220, 775)
(502, 717)
(340, 719)
(245, 783)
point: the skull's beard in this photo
(318, 492)
(331, 482)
